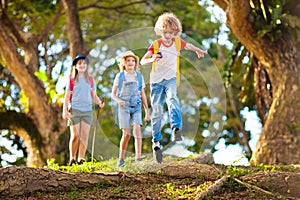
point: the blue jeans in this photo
(164, 91)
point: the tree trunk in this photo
(46, 117)
(73, 28)
(43, 115)
(279, 141)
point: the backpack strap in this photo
(71, 83)
(120, 84)
(121, 79)
(155, 51)
(91, 81)
(178, 48)
(140, 81)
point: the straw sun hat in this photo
(123, 58)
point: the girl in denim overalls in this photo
(129, 97)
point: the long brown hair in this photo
(74, 72)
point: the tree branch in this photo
(41, 111)
(238, 13)
(24, 127)
(12, 120)
(44, 33)
(74, 32)
(95, 5)
(245, 140)
(223, 4)
(238, 21)
(16, 32)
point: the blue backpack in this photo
(121, 79)
(120, 84)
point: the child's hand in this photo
(156, 57)
(159, 54)
(65, 115)
(101, 104)
(147, 117)
(200, 53)
(121, 103)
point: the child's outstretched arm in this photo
(145, 104)
(200, 53)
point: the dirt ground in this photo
(159, 188)
(173, 179)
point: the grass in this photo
(242, 171)
(105, 165)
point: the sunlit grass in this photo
(240, 171)
(96, 166)
(162, 187)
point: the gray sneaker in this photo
(120, 163)
(158, 154)
(176, 135)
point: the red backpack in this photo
(72, 85)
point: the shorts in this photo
(127, 115)
(76, 116)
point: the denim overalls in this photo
(132, 110)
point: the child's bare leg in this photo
(138, 140)
(156, 144)
(124, 142)
(74, 139)
(84, 136)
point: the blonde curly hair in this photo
(168, 21)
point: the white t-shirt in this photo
(166, 66)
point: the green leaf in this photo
(276, 13)
(264, 31)
(42, 76)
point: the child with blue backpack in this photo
(128, 92)
(164, 55)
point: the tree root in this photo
(220, 182)
(23, 180)
(213, 188)
(253, 187)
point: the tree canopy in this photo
(38, 41)
(42, 39)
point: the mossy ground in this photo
(157, 186)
